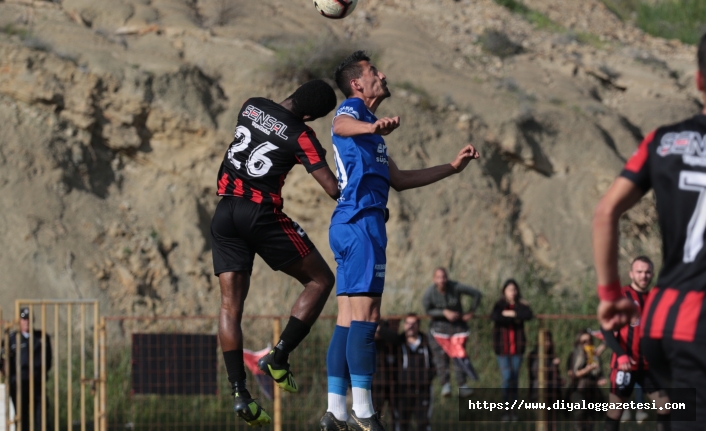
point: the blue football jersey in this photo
(361, 165)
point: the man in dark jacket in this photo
(416, 372)
(10, 355)
(442, 302)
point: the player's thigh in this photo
(622, 383)
(230, 249)
(344, 316)
(278, 240)
(310, 268)
(359, 248)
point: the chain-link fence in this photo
(206, 407)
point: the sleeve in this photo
(429, 306)
(389, 336)
(637, 168)
(524, 312)
(309, 151)
(352, 107)
(472, 292)
(497, 314)
(612, 342)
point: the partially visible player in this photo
(270, 139)
(628, 365)
(357, 235)
(672, 161)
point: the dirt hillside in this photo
(116, 114)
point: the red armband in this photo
(623, 359)
(610, 292)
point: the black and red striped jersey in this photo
(672, 161)
(628, 337)
(269, 141)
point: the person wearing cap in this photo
(24, 379)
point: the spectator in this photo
(416, 372)
(509, 342)
(553, 382)
(387, 342)
(442, 302)
(585, 372)
(24, 379)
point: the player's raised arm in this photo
(410, 179)
(614, 310)
(347, 126)
(325, 177)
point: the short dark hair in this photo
(412, 314)
(315, 98)
(643, 259)
(702, 55)
(349, 69)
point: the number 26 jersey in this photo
(269, 140)
(672, 161)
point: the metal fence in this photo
(52, 376)
(303, 410)
(96, 356)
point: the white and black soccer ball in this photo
(335, 9)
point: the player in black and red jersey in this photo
(628, 365)
(672, 161)
(270, 139)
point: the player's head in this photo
(441, 277)
(411, 325)
(701, 74)
(312, 100)
(641, 272)
(511, 291)
(357, 76)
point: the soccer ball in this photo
(335, 9)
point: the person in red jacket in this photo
(628, 365)
(509, 342)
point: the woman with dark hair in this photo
(509, 342)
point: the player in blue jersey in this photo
(357, 235)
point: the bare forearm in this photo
(347, 126)
(421, 177)
(605, 245)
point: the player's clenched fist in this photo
(464, 156)
(613, 315)
(385, 126)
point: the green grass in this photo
(538, 19)
(670, 19)
(674, 19)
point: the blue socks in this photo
(336, 363)
(351, 360)
(360, 352)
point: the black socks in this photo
(235, 366)
(293, 334)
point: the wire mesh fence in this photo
(131, 408)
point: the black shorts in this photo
(622, 383)
(240, 228)
(680, 367)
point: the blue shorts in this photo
(359, 249)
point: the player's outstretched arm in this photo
(614, 310)
(403, 180)
(347, 126)
(328, 181)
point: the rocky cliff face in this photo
(116, 115)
